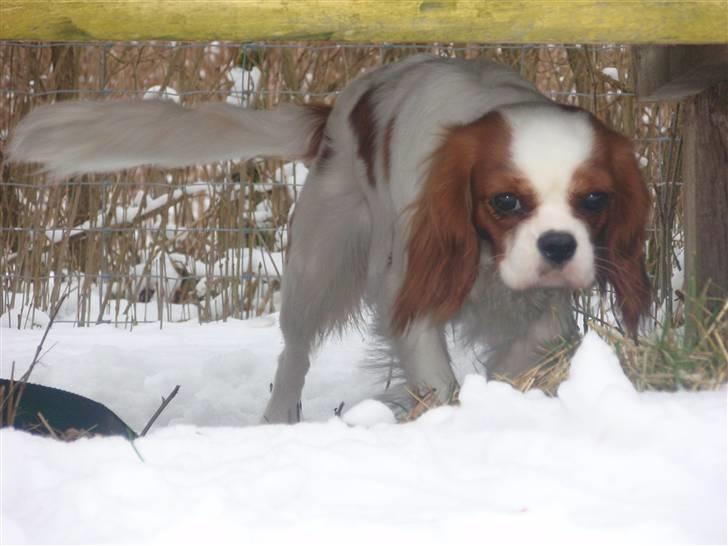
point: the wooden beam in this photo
(675, 72)
(494, 21)
(705, 190)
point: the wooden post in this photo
(697, 75)
(705, 190)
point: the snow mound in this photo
(24, 316)
(596, 382)
(161, 93)
(369, 413)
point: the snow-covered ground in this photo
(598, 464)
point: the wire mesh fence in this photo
(208, 243)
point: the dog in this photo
(440, 191)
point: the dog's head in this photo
(548, 195)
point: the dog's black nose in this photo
(557, 246)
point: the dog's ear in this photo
(443, 249)
(623, 251)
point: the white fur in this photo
(81, 137)
(548, 145)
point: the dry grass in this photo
(666, 359)
(550, 372)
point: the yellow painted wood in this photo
(515, 21)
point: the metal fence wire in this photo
(208, 242)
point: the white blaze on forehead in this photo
(548, 144)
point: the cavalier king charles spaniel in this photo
(439, 191)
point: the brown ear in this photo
(622, 258)
(443, 249)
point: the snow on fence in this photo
(207, 243)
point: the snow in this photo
(157, 92)
(293, 173)
(677, 280)
(126, 215)
(244, 85)
(20, 316)
(256, 260)
(369, 413)
(600, 463)
(611, 72)
(593, 387)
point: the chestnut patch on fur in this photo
(451, 217)
(491, 179)
(619, 231)
(364, 125)
(588, 179)
(493, 174)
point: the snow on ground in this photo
(600, 463)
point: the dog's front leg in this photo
(284, 405)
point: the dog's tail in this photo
(84, 137)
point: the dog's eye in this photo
(594, 202)
(506, 203)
